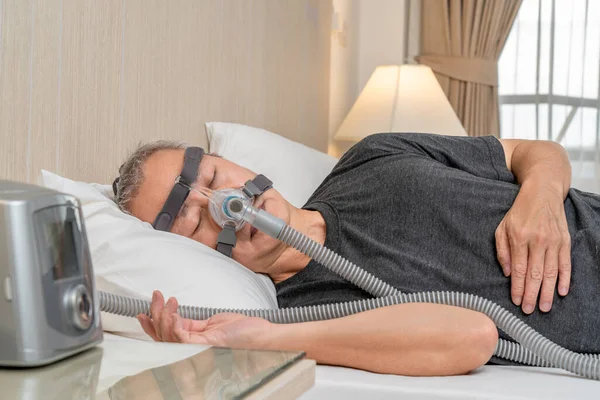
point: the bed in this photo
(129, 259)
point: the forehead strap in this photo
(165, 218)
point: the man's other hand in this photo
(534, 246)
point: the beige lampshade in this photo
(400, 98)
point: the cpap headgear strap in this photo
(253, 188)
(165, 218)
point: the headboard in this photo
(82, 82)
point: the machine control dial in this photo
(79, 305)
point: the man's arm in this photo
(532, 161)
(407, 339)
(533, 241)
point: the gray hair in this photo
(131, 174)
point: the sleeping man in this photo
(422, 212)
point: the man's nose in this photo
(197, 198)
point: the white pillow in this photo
(130, 258)
(295, 169)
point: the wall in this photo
(343, 82)
(371, 33)
(83, 81)
(381, 36)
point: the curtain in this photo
(461, 40)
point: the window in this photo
(549, 81)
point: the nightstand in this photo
(124, 368)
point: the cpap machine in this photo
(48, 305)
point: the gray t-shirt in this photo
(420, 212)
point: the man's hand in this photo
(534, 246)
(226, 330)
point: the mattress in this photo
(487, 382)
(127, 356)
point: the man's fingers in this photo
(503, 249)
(147, 326)
(533, 279)
(564, 266)
(185, 336)
(518, 256)
(172, 305)
(194, 325)
(160, 325)
(158, 303)
(165, 321)
(550, 276)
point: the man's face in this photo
(254, 249)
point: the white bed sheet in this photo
(125, 356)
(488, 382)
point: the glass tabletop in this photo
(72, 378)
(215, 373)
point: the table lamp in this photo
(400, 98)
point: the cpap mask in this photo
(232, 208)
(228, 208)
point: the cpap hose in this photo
(535, 349)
